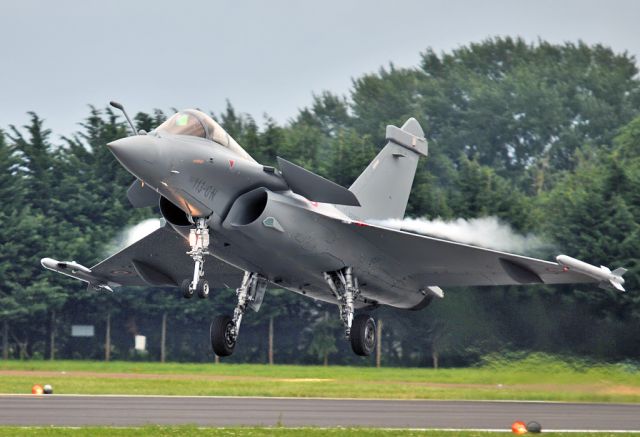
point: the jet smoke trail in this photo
(489, 232)
(131, 234)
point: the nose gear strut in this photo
(199, 242)
(361, 329)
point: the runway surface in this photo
(227, 411)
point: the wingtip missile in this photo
(68, 268)
(64, 267)
(603, 274)
(76, 271)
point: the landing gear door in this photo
(258, 294)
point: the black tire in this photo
(203, 289)
(185, 287)
(221, 341)
(363, 335)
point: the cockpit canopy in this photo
(198, 124)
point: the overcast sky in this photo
(264, 56)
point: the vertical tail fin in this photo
(383, 187)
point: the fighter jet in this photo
(231, 221)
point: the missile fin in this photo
(437, 291)
(91, 286)
(616, 285)
(619, 271)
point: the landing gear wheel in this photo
(185, 287)
(363, 335)
(222, 336)
(203, 288)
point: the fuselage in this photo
(257, 223)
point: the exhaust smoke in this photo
(489, 232)
(131, 234)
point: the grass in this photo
(535, 377)
(189, 431)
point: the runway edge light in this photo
(518, 427)
(37, 389)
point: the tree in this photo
(12, 195)
(593, 214)
(149, 122)
(33, 295)
(509, 102)
(323, 340)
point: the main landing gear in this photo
(361, 329)
(199, 242)
(225, 329)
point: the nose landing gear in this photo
(202, 288)
(199, 242)
(361, 329)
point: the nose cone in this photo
(138, 154)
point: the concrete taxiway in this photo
(71, 410)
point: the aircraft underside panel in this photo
(160, 259)
(292, 244)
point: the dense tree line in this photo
(545, 137)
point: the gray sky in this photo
(264, 56)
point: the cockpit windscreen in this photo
(198, 124)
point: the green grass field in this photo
(536, 377)
(187, 431)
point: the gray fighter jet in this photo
(231, 220)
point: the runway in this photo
(228, 411)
